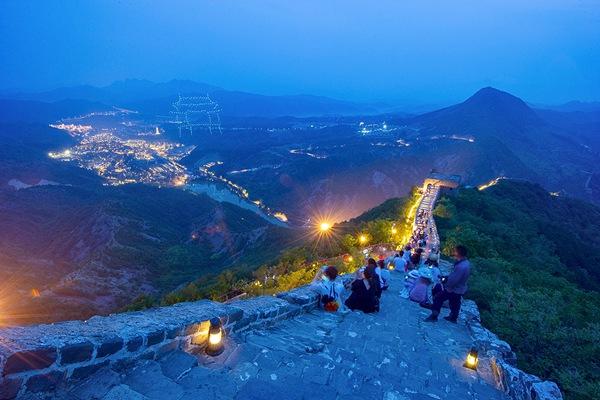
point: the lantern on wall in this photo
(472, 359)
(215, 345)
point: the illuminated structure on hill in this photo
(442, 180)
(196, 112)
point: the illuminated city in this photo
(121, 161)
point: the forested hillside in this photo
(536, 276)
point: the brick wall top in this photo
(30, 356)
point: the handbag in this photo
(329, 301)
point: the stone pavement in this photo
(391, 355)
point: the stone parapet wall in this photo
(37, 358)
(514, 382)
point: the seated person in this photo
(364, 296)
(420, 291)
(329, 287)
(407, 254)
(372, 265)
(432, 263)
(385, 275)
(415, 261)
(400, 262)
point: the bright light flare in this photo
(324, 226)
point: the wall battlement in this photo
(517, 384)
(36, 358)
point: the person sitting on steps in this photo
(400, 262)
(384, 274)
(364, 297)
(373, 268)
(329, 288)
(454, 288)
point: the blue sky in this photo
(397, 51)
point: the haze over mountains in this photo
(91, 247)
(153, 97)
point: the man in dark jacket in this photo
(454, 288)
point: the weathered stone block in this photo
(155, 338)
(176, 363)
(167, 347)
(135, 343)
(148, 355)
(287, 309)
(109, 347)
(30, 360)
(121, 392)
(248, 318)
(545, 391)
(74, 353)
(198, 333)
(299, 296)
(9, 388)
(191, 329)
(45, 382)
(234, 314)
(96, 385)
(88, 370)
(172, 333)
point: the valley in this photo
(101, 204)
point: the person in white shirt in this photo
(379, 266)
(406, 254)
(329, 287)
(400, 262)
(385, 276)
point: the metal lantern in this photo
(472, 359)
(215, 344)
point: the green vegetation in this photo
(536, 276)
(386, 223)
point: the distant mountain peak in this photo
(490, 102)
(492, 96)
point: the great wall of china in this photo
(279, 346)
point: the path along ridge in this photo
(390, 355)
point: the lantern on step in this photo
(215, 344)
(472, 359)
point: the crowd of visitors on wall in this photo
(419, 261)
(423, 227)
(424, 283)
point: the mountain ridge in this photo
(153, 96)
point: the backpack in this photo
(330, 302)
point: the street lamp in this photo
(362, 239)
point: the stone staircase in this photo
(276, 348)
(389, 355)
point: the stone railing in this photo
(514, 382)
(37, 358)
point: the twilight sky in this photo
(426, 51)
